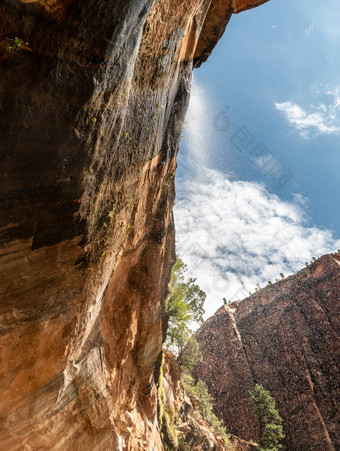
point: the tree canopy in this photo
(263, 405)
(184, 304)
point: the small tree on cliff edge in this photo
(184, 304)
(263, 405)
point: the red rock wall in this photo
(93, 98)
(285, 337)
(193, 432)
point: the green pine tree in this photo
(184, 304)
(263, 405)
(190, 355)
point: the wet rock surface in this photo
(93, 97)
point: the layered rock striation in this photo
(287, 338)
(93, 96)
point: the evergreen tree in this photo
(190, 355)
(263, 405)
(184, 304)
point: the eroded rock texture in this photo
(287, 338)
(93, 96)
(183, 427)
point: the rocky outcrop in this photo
(183, 427)
(215, 22)
(93, 96)
(285, 337)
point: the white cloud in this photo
(335, 93)
(323, 118)
(233, 235)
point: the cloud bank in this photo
(323, 118)
(234, 235)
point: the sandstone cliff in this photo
(93, 95)
(287, 338)
(182, 426)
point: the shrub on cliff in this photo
(190, 355)
(200, 391)
(184, 305)
(263, 405)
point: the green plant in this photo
(184, 304)
(15, 43)
(271, 432)
(200, 391)
(132, 201)
(190, 355)
(112, 212)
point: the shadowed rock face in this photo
(193, 432)
(285, 337)
(93, 95)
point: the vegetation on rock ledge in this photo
(185, 305)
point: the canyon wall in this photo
(93, 96)
(182, 425)
(287, 338)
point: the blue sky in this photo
(258, 177)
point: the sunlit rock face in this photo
(93, 97)
(285, 337)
